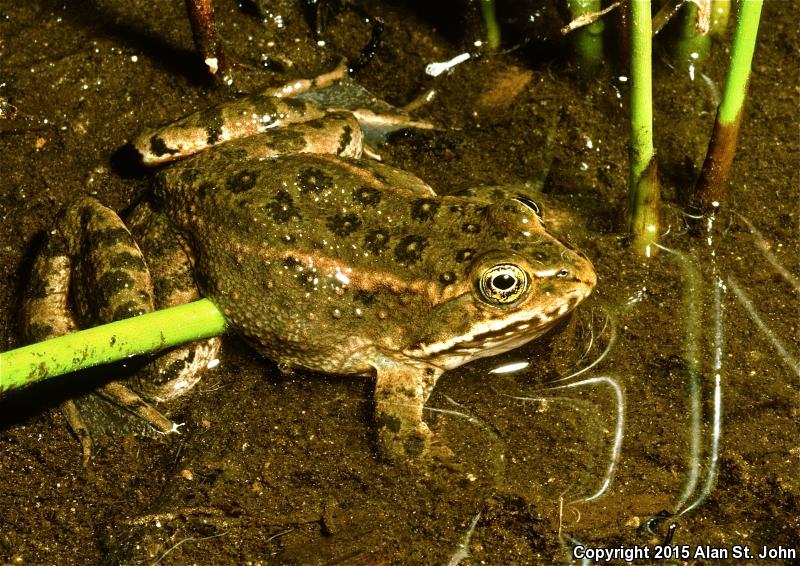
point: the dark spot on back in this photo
(306, 280)
(205, 188)
(344, 224)
(295, 104)
(465, 254)
(389, 422)
(376, 240)
(295, 267)
(36, 332)
(367, 196)
(86, 214)
(366, 298)
(242, 181)
(313, 180)
(424, 209)
(409, 249)
(282, 209)
(292, 263)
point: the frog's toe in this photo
(73, 415)
(129, 400)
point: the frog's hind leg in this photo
(175, 372)
(296, 102)
(89, 249)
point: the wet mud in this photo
(283, 469)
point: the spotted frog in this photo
(319, 259)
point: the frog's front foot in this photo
(410, 443)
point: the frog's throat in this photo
(492, 337)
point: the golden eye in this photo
(503, 284)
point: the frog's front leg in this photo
(400, 394)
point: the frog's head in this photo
(513, 291)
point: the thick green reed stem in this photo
(711, 190)
(143, 334)
(645, 192)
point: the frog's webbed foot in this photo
(400, 395)
(114, 409)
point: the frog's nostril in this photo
(562, 273)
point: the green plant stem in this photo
(588, 40)
(720, 14)
(710, 191)
(490, 20)
(691, 47)
(645, 193)
(143, 334)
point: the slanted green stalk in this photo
(111, 342)
(645, 192)
(711, 191)
(588, 40)
(492, 28)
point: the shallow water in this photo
(700, 342)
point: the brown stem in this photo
(711, 188)
(206, 38)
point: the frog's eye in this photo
(503, 284)
(535, 208)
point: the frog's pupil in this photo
(503, 282)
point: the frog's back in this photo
(365, 215)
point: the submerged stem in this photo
(645, 192)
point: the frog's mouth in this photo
(492, 337)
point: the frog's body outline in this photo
(318, 259)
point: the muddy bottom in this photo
(665, 410)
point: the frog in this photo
(320, 256)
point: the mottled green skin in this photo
(269, 235)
